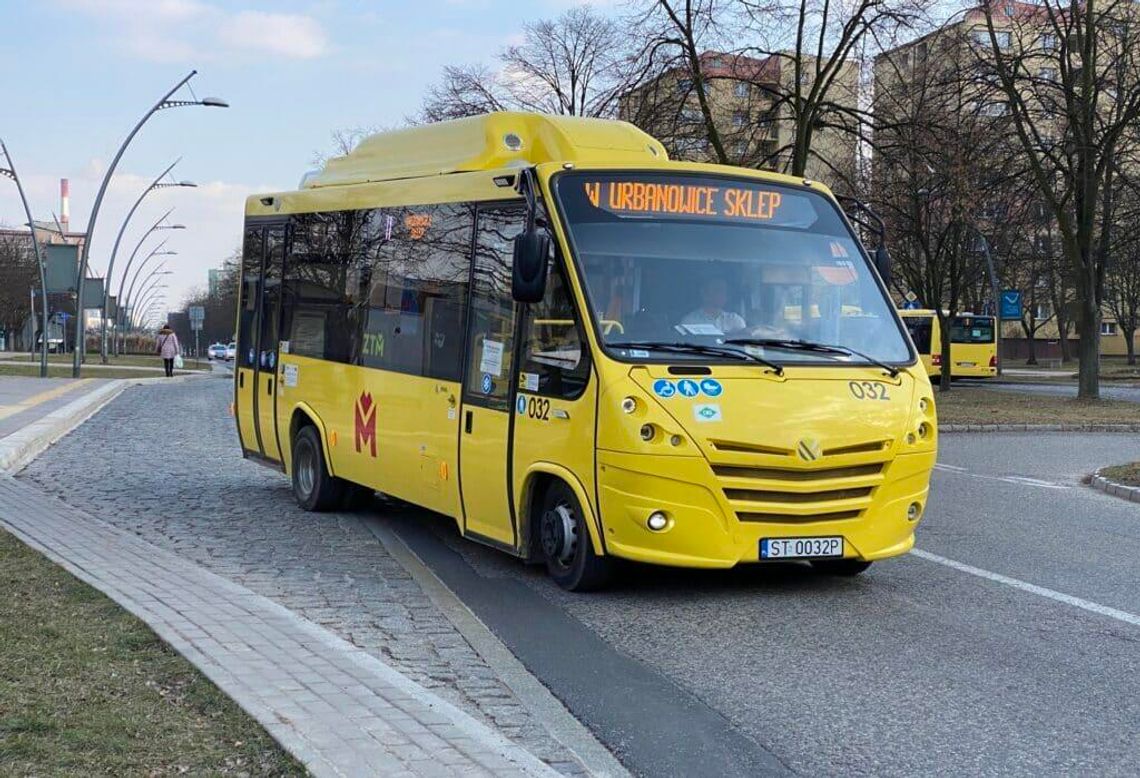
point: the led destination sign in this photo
(700, 200)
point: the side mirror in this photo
(883, 263)
(528, 271)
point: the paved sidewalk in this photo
(335, 707)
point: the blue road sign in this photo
(1011, 305)
(911, 305)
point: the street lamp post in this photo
(155, 294)
(158, 225)
(126, 301)
(158, 183)
(10, 172)
(993, 291)
(152, 306)
(154, 279)
(163, 103)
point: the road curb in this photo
(24, 445)
(559, 721)
(1123, 491)
(954, 428)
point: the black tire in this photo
(313, 487)
(564, 543)
(841, 567)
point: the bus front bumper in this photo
(704, 530)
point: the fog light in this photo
(647, 432)
(913, 511)
(923, 405)
(910, 438)
(676, 440)
(657, 521)
(923, 430)
(629, 405)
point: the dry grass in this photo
(1128, 475)
(88, 689)
(981, 406)
(89, 371)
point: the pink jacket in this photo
(168, 345)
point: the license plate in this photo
(801, 548)
(965, 364)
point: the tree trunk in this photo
(1031, 342)
(1088, 350)
(1130, 345)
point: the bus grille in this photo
(779, 488)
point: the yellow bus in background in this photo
(973, 343)
(581, 351)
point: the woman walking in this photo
(168, 348)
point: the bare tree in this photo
(18, 275)
(943, 176)
(577, 64)
(1069, 74)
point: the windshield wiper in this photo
(697, 348)
(810, 345)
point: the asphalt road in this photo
(1025, 663)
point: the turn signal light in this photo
(993, 361)
(936, 360)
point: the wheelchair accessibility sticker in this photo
(663, 387)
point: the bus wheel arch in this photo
(302, 416)
(557, 513)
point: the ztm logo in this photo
(365, 423)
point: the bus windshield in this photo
(700, 261)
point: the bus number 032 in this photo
(538, 408)
(868, 390)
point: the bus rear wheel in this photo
(313, 487)
(565, 543)
(841, 567)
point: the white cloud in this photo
(182, 30)
(288, 35)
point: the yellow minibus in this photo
(973, 343)
(583, 352)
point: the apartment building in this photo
(748, 102)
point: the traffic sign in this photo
(911, 305)
(1011, 305)
(197, 316)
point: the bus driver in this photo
(714, 296)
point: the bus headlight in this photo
(647, 432)
(628, 405)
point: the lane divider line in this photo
(1020, 480)
(1025, 586)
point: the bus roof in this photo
(489, 142)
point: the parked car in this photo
(231, 351)
(216, 351)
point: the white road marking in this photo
(1041, 591)
(1020, 480)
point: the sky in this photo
(75, 76)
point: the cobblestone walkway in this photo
(162, 462)
(336, 708)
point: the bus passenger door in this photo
(249, 326)
(485, 417)
(265, 379)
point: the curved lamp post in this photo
(10, 172)
(154, 296)
(151, 308)
(154, 284)
(158, 183)
(163, 103)
(158, 225)
(125, 302)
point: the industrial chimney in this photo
(64, 203)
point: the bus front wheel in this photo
(313, 487)
(565, 543)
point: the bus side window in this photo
(250, 291)
(555, 356)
